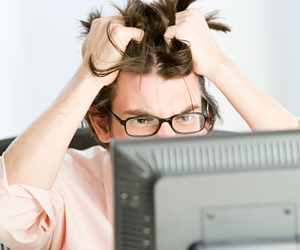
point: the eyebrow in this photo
(191, 108)
(141, 112)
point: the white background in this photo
(39, 53)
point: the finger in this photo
(194, 20)
(190, 12)
(170, 33)
(117, 20)
(136, 34)
(131, 33)
(84, 47)
(95, 21)
(123, 35)
(188, 24)
(193, 16)
(176, 31)
(188, 19)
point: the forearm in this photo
(35, 157)
(258, 110)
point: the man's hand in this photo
(209, 61)
(191, 27)
(36, 156)
(98, 46)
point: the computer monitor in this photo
(239, 191)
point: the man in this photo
(51, 199)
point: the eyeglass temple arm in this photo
(115, 116)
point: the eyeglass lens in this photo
(148, 125)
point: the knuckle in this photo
(194, 11)
(189, 19)
(104, 20)
(118, 30)
(96, 20)
(184, 25)
(190, 11)
(199, 11)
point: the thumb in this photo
(135, 34)
(129, 34)
(83, 49)
(170, 33)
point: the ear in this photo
(100, 126)
(208, 124)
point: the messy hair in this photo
(152, 55)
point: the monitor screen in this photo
(238, 191)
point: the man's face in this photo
(154, 96)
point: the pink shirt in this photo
(77, 213)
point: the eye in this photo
(145, 120)
(140, 121)
(184, 118)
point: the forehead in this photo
(156, 95)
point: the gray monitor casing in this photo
(237, 191)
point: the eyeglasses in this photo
(144, 126)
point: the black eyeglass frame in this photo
(161, 121)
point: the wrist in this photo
(84, 74)
(103, 80)
(219, 68)
(85, 70)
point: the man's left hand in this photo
(191, 26)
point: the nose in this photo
(165, 130)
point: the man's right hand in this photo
(36, 156)
(98, 47)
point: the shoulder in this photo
(88, 163)
(89, 154)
